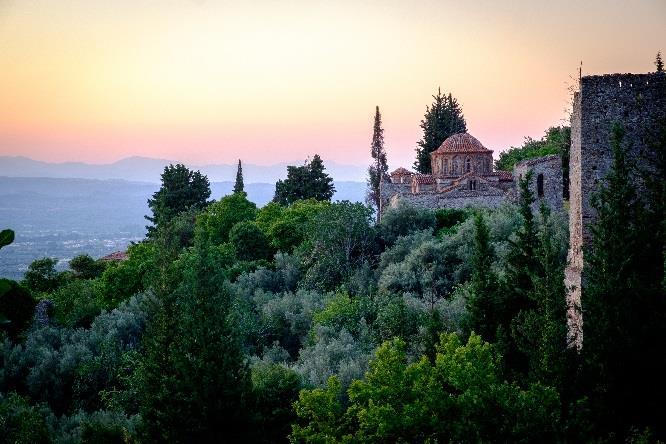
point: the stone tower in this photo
(638, 102)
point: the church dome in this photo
(461, 143)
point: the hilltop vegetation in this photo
(306, 321)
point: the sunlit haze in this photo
(267, 81)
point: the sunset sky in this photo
(210, 81)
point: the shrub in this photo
(17, 307)
(403, 220)
(250, 243)
(42, 275)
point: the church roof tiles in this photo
(461, 143)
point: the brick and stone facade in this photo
(638, 102)
(462, 176)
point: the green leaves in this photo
(6, 237)
(304, 182)
(461, 397)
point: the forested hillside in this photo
(307, 321)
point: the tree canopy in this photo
(181, 189)
(308, 181)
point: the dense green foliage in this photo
(309, 181)
(625, 306)
(308, 322)
(556, 141)
(181, 189)
(449, 400)
(442, 119)
(378, 170)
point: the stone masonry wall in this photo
(638, 102)
(550, 168)
(459, 200)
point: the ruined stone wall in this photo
(550, 169)
(638, 102)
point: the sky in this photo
(267, 81)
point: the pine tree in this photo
(378, 170)
(659, 63)
(238, 186)
(309, 181)
(181, 190)
(442, 119)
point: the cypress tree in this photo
(442, 119)
(482, 303)
(378, 170)
(238, 185)
(518, 284)
(659, 63)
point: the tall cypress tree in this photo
(238, 185)
(442, 119)
(378, 170)
(659, 63)
(518, 285)
(482, 302)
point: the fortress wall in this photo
(638, 102)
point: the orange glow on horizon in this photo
(209, 82)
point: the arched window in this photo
(472, 185)
(468, 165)
(540, 185)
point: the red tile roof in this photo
(424, 179)
(401, 172)
(461, 143)
(115, 256)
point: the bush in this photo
(20, 423)
(403, 220)
(275, 388)
(250, 243)
(447, 400)
(85, 267)
(78, 303)
(17, 307)
(220, 217)
(42, 275)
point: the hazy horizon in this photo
(210, 82)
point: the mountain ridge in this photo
(148, 169)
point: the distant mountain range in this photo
(144, 169)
